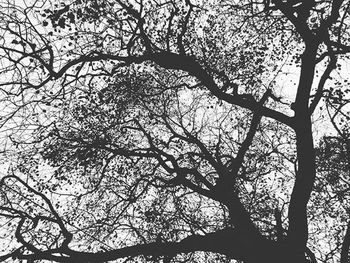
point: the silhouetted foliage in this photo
(174, 131)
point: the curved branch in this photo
(227, 241)
(331, 65)
(189, 64)
(67, 235)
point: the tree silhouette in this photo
(174, 131)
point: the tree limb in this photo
(344, 254)
(227, 241)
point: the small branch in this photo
(344, 254)
(331, 65)
(311, 255)
(250, 135)
(279, 227)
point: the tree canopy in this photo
(174, 131)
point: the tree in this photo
(155, 130)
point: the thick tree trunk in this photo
(273, 252)
(306, 173)
(292, 250)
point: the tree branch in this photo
(306, 173)
(344, 254)
(227, 241)
(331, 65)
(190, 65)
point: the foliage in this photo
(174, 131)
